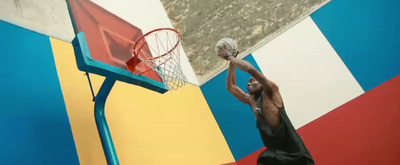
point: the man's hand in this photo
(224, 54)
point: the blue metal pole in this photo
(101, 122)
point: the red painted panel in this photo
(109, 38)
(250, 159)
(362, 131)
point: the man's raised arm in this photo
(232, 88)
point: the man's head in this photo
(253, 86)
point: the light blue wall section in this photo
(34, 124)
(235, 119)
(365, 34)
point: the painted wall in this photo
(338, 74)
(312, 78)
(33, 118)
(339, 103)
(364, 34)
(147, 127)
(50, 18)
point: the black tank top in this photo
(284, 141)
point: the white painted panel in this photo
(312, 78)
(146, 15)
(48, 17)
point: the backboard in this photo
(104, 43)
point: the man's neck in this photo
(258, 94)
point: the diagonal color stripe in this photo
(365, 34)
(363, 131)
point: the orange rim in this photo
(145, 43)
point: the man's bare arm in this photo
(232, 88)
(247, 67)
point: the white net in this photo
(160, 50)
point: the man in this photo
(284, 145)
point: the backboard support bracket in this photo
(90, 85)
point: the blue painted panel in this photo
(365, 34)
(33, 119)
(235, 119)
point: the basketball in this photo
(227, 44)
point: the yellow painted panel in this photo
(147, 128)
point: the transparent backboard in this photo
(104, 43)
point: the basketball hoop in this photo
(160, 50)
